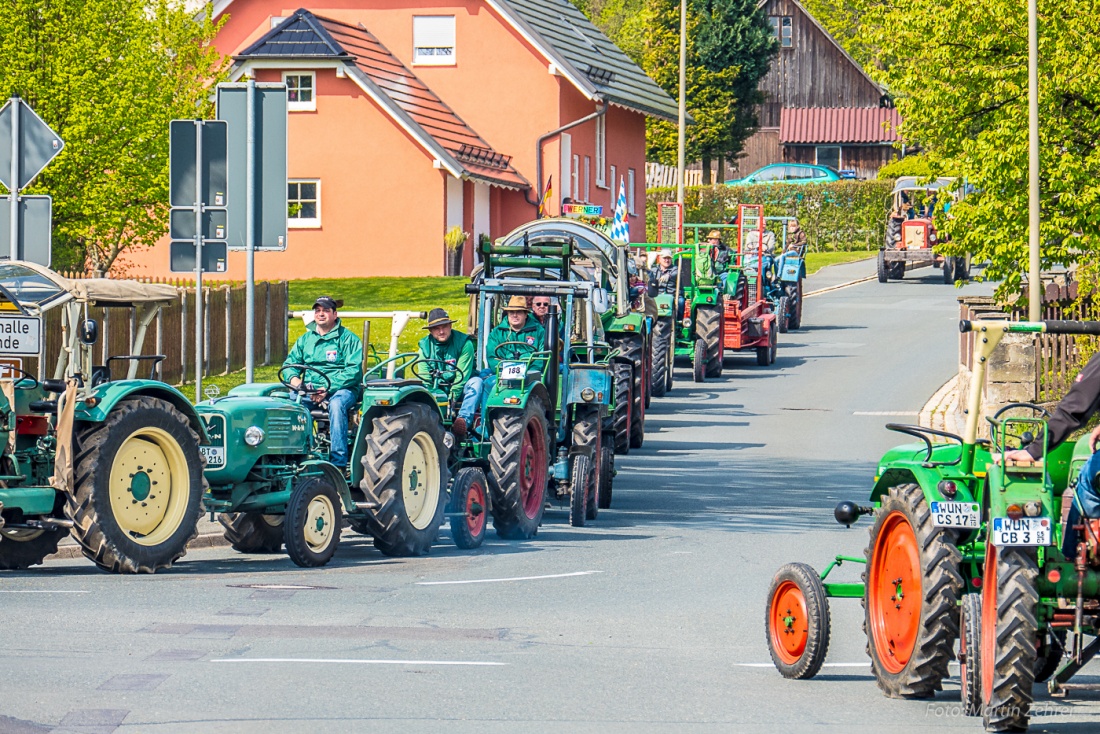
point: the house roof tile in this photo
(853, 125)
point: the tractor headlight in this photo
(1032, 509)
(449, 440)
(254, 435)
(897, 238)
(588, 395)
(686, 322)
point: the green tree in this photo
(108, 76)
(958, 70)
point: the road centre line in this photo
(886, 412)
(824, 665)
(514, 578)
(345, 661)
(819, 291)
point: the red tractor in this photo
(911, 234)
(749, 320)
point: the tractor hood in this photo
(285, 425)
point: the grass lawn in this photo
(817, 260)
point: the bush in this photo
(841, 215)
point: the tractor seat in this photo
(319, 415)
(396, 382)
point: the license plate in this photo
(513, 371)
(1025, 531)
(215, 455)
(215, 433)
(956, 514)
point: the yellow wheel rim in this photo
(420, 480)
(275, 521)
(149, 486)
(320, 519)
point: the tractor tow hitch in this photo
(848, 512)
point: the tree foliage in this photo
(107, 76)
(958, 71)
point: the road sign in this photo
(20, 335)
(36, 146)
(182, 256)
(182, 163)
(181, 224)
(270, 169)
(35, 229)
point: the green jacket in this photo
(533, 333)
(458, 351)
(338, 354)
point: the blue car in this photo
(791, 173)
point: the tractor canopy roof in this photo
(588, 241)
(913, 183)
(30, 287)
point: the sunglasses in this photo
(540, 305)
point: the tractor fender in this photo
(335, 476)
(373, 408)
(109, 394)
(906, 465)
(496, 400)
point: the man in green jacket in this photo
(337, 353)
(518, 325)
(453, 354)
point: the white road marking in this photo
(514, 578)
(344, 661)
(886, 412)
(38, 591)
(824, 665)
(819, 291)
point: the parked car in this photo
(788, 173)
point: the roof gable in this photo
(300, 36)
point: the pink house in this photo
(409, 117)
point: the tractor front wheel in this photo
(138, 486)
(518, 468)
(633, 348)
(765, 355)
(580, 482)
(662, 357)
(970, 655)
(623, 375)
(883, 269)
(797, 621)
(252, 532)
(949, 271)
(1010, 601)
(311, 527)
(796, 313)
(910, 604)
(699, 362)
(405, 478)
(25, 547)
(783, 314)
(469, 497)
(588, 440)
(606, 476)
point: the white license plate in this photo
(215, 455)
(956, 514)
(1025, 531)
(513, 371)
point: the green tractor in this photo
(963, 547)
(115, 462)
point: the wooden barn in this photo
(820, 106)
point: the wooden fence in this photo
(658, 175)
(172, 333)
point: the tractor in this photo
(963, 546)
(116, 462)
(911, 234)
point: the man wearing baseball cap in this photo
(445, 346)
(337, 353)
(517, 326)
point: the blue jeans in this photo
(339, 403)
(471, 399)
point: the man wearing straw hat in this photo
(444, 345)
(519, 327)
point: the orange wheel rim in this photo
(788, 622)
(988, 642)
(894, 593)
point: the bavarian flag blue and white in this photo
(620, 228)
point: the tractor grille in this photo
(280, 425)
(752, 290)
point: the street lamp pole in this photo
(683, 105)
(1034, 290)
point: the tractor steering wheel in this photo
(302, 386)
(438, 372)
(532, 347)
(400, 362)
(1026, 436)
(26, 382)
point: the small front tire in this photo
(311, 528)
(797, 621)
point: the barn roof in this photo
(851, 125)
(399, 92)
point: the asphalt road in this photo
(649, 620)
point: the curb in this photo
(939, 413)
(827, 289)
(71, 549)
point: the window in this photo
(601, 150)
(303, 200)
(783, 27)
(770, 173)
(630, 191)
(434, 40)
(587, 179)
(566, 158)
(300, 86)
(575, 173)
(276, 20)
(828, 155)
(613, 184)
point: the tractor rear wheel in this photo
(1010, 601)
(912, 586)
(252, 532)
(468, 496)
(311, 527)
(518, 468)
(883, 270)
(138, 486)
(783, 314)
(405, 478)
(25, 547)
(708, 329)
(970, 654)
(586, 440)
(580, 482)
(699, 362)
(795, 321)
(897, 270)
(633, 348)
(796, 621)
(662, 357)
(606, 476)
(766, 355)
(623, 375)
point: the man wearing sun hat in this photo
(518, 325)
(444, 345)
(330, 348)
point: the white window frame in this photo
(613, 185)
(277, 19)
(630, 192)
(433, 34)
(574, 175)
(779, 23)
(304, 222)
(299, 106)
(566, 157)
(587, 179)
(601, 151)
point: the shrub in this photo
(840, 215)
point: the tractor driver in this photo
(518, 325)
(445, 345)
(721, 255)
(662, 279)
(330, 348)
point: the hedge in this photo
(840, 215)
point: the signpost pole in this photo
(1034, 287)
(250, 236)
(16, 103)
(198, 262)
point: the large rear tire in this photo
(405, 477)
(633, 348)
(796, 622)
(519, 465)
(623, 374)
(662, 357)
(311, 527)
(970, 655)
(1010, 601)
(469, 497)
(23, 547)
(606, 476)
(796, 312)
(783, 314)
(252, 532)
(699, 362)
(587, 440)
(910, 604)
(708, 329)
(138, 486)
